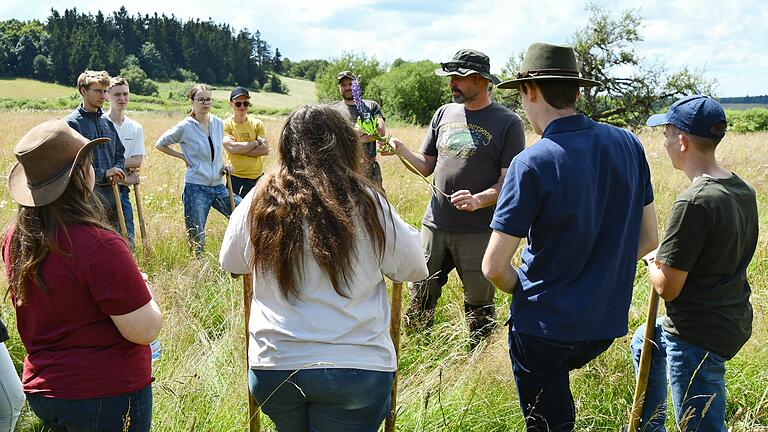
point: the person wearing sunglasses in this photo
(245, 141)
(468, 147)
(199, 136)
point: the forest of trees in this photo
(162, 46)
(746, 100)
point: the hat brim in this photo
(657, 120)
(467, 72)
(515, 83)
(20, 191)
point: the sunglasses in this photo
(245, 104)
(204, 100)
(456, 65)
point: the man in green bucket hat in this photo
(582, 197)
(467, 149)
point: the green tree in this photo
(139, 81)
(633, 88)
(151, 61)
(366, 68)
(275, 85)
(410, 91)
(510, 98)
(42, 68)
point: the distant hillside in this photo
(22, 93)
(763, 100)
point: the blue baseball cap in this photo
(698, 115)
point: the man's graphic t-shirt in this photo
(472, 147)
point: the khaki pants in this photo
(445, 251)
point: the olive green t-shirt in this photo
(712, 234)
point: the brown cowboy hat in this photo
(543, 61)
(47, 155)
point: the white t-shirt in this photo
(323, 329)
(132, 135)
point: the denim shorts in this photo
(320, 400)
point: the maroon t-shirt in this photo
(74, 350)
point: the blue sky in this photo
(724, 39)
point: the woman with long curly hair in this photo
(84, 311)
(319, 238)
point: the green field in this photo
(201, 377)
(22, 93)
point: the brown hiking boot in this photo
(482, 322)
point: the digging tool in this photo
(395, 318)
(253, 410)
(119, 208)
(229, 188)
(140, 214)
(645, 362)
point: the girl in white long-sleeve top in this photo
(319, 238)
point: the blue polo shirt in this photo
(577, 194)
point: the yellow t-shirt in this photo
(245, 166)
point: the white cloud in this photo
(727, 39)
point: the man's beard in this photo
(347, 95)
(458, 98)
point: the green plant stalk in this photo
(388, 148)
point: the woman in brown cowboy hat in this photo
(85, 312)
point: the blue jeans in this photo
(697, 378)
(95, 415)
(541, 367)
(318, 400)
(241, 185)
(198, 200)
(108, 199)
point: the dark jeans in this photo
(323, 400)
(241, 185)
(541, 367)
(108, 199)
(130, 412)
(198, 200)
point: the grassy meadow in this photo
(200, 378)
(26, 94)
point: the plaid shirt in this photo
(94, 125)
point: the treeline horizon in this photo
(164, 47)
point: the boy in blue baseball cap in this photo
(700, 270)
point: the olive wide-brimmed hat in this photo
(47, 156)
(543, 61)
(467, 62)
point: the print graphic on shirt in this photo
(462, 140)
(245, 137)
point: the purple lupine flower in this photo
(358, 98)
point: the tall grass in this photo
(200, 378)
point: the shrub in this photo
(274, 85)
(751, 120)
(139, 82)
(184, 75)
(326, 84)
(410, 91)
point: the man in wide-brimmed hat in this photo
(582, 196)
(469, 145)
(346, 106)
